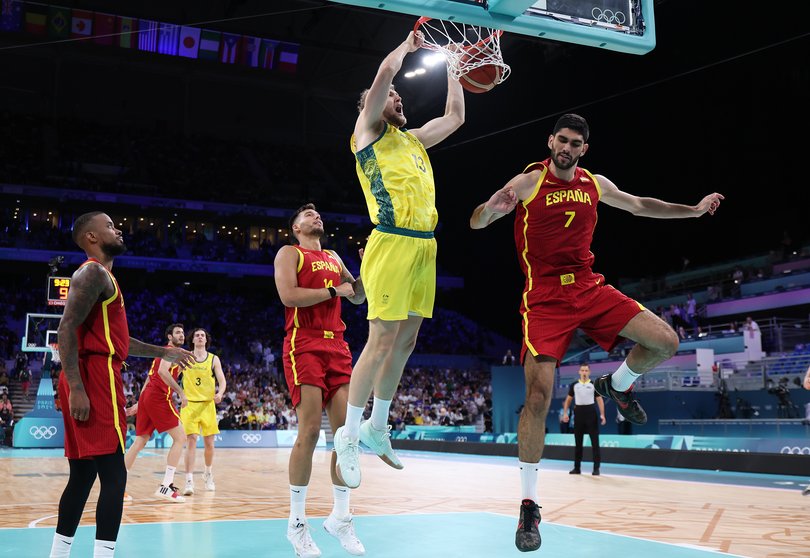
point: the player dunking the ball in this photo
(556, 216)
(317, 365)
(94, 341)
(399, 266)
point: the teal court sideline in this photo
(467, 535)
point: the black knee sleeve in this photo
(112, 472)
(74, 497)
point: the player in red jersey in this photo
(156, 411)
(318, 365)
(554, 223)
(93, 342)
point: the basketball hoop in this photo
(55, 358)
(464, 46)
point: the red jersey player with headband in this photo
(554, 223)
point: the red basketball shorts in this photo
(315, 361)
(104, 432)
(555, 311)
(156, 411)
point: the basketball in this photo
(482, 78)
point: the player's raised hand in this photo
(181, 357)
(415, 40)
(710, 203)
(503, 201)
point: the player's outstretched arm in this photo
(807, 379)
(501, 203)
(436, 130)
(369, 122)
(653, 207)
(181, 357)
(88, 284)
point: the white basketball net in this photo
(464, 46)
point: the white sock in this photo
(623, 378)
(190, 477)
(341, 495)
(209, 469)
(61, 546)
(379, 413)
(351, 428)
(104, 549)
(298, 504)
(168, 477)
(528, 480)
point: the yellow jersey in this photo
(397, 181)
(199, 382)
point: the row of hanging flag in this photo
(59, 23)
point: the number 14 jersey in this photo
(317, 269)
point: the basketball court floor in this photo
(440, 505)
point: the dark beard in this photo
(113, 250)
(563, 166)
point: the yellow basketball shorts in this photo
(399, 274)
(200, 417)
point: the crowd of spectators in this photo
(443, 396)
(87, 155)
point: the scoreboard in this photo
(58, 290)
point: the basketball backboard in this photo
(620, 25)
(40, 332)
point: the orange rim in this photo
(496, 33)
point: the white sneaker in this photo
(343, 530)
(189, 489)
(169, 493)
(348, 459)
(379, 441)
(299, 537)
(208, 478)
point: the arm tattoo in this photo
(87, 285)
(141, 349)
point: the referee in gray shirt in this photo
(585, 402)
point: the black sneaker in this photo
(628, 405)
(806, 491)
(595, 472)
(575, 471)
(527, 537)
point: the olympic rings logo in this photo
(609, 444)
(42, 432)
(251, 438)
(608, 16)
(795, 450)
